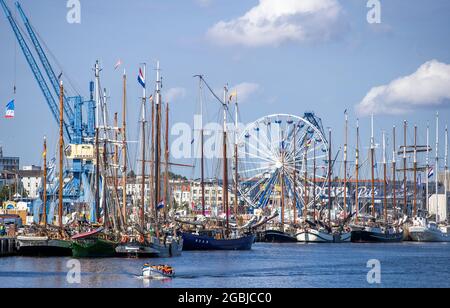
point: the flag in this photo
(160, 206)
(192, 141)
(141, 78)
(309, 143)
(430, 172)
(118, 64)
(9, 113)
(150, 99)
(233, 94)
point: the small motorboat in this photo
(157, 271)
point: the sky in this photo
(287, 56)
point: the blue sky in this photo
(332, 68)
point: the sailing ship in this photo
(319, 231)
(222, 238)
(377, 231)
(45, 240)
(426, 230)
(158, 242)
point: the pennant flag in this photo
(192, 141)
(309, 143)
(9, 114)
(150, 99)
(118, 64)
(160, 206)
(141, 78)
(430, 172)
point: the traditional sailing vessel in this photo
(156, 241)
(221, 238)
(45, 240)
(423, 229)
(377, 231)
(324, 231)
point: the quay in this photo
(7, 246)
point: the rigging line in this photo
(211, 90)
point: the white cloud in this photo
(174, 94)
(245, 90)
(429, 86)
(273, 22)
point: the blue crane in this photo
(34, 67)
(76, 132)
(45, 63)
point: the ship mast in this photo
(306, 196)
(446, 163)
(437, 168)
(427, 201)
(142, 208)
(385, 178)
(415, 172)
(283, 209)
(314, 179)
(97, 147)
(158, 137)
(295, 175)
(372, 159)
(202, 145)
(44, 217)
(357, 171)
(61, 157)
(124, 149)
(225, 159)
(329, 177)
(236, 158)
(166, 164)
(152, 165)
(394, 170)
(345, 164)
(405, 179)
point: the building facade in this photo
(31, 178)
(9, 167)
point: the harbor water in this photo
(266, 266)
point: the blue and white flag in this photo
(430, 172)
(9, 113)
(141, 78)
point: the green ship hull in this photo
(94, 248)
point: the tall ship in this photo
(423, 228)
(372, 229)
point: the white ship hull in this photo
(315, 236)
(425, 234)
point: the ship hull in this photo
(423, 234)
(44, 248)
(273, 236)
(315, 236)
(198, 242)
(96, 248)
(362, 236)
(154, 250)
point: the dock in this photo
(7, 247)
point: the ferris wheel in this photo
(282, 157)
